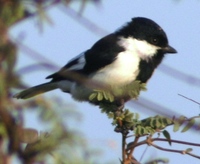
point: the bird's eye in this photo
(154, 40)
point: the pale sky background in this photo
(66, 38)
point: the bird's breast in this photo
(121, 72)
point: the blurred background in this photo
(46, 46)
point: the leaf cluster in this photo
(130, 121)
(189, 122)
(11, 12)
(152, 125)
(115, 93)
(12, 131)
(124, 118)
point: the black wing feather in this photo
(102, 53)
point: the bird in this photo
(131, 53)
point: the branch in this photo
(179, 75)
(36, 67)
(132, 150)
(34, 54)
(176, 141)
(175, 151)
(123, 148)
(189, 99)
(88, 24)
(150, 142)
(131, 145)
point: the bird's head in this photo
(146, 36)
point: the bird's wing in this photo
(102, 53)
(75, 65)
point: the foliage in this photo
(126, 122)
(112, 94)
(60, 143)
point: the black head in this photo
(147, 30)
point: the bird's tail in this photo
(36, 90)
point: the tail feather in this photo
(36, 90)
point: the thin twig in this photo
(176, 141)
(189, 99)
(123, 147)
(175, 151)
(33, 53)
(165, 149)
(180, 75)
(132, 150)
(131, 145)
(36, 67)
(143, 153)
(88, 24)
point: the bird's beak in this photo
(169, 49)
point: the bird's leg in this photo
(120, 128)
(120, 105)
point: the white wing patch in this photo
(80, 62)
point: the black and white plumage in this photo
(131, 53)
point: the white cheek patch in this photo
(141, 48)
(145, 49)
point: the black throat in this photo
(147, 67)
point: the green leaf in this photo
(168, 121)
(188, 150)
(167, 136)
(131, 90)
(153, 122)
(137, 130)
(189, 125)
(105, 95)
(181, 119)
(178, 123)
(99, 96)
(92, 96)
(150, 130)
(145, 131)
(142, 131)
(158, 124)
(111, 97)
(176, 126)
